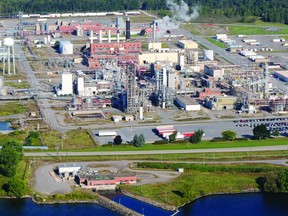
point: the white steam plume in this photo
(179, 14)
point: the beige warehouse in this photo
(158, 56)
(187, 44)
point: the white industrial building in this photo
(220, 36)
(214, 71)
(66, 47)
(282, 75)
(68, 168)
(67, 84)
(92, 87)
(187, 103)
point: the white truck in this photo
(107, 133)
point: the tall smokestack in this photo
(109, 36)
(128, 28)
(100, 36)
(91, 36)
(118, 36)
(154, 31)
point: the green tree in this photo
(270, 184)
(275, 133)
(261, 132)
(282, 180)
(138, 141)
(141, 139)
(16, 188)
(117, 140)
(228, 135)
(197, 136)
(172, 137)
(11, 154)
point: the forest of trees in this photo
(268, 10)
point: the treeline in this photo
(268, 10)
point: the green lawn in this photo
(199, 183)
(254, 30)
(216, 42)
(205, 144)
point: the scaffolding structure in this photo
(132, 98)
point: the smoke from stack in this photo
(128, 28)
(179, 14)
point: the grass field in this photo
(199, 183)
(12, 108)
(17, 85)
(191, 28)
(72, 140)
(254, 30)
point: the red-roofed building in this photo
(208, 92)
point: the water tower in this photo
(8, 45)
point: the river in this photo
(251, 204)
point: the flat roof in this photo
(187, 42)
(187, 100)
(283, 73)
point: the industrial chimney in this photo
(128, 28)
(100, 36)
(118, 36)
(109, 36)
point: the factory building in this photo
(67, 84)
(104, 182)
(115, 48)
(214, 71)
(187, 103)
(220, 102)
(153, 46)
(282, 75)
(151, 57)
(92, 88)
(208, 92)
(187, 44)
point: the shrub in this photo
(159, 142)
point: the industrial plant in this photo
(96, 63)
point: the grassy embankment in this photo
(201, 180)
(216, 42)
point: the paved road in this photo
(153, 152)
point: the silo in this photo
(128, 29)
(209, 55)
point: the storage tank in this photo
(209, 55)
(181, 60)
(1, 82)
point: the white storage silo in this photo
(209, 55)
(181, 60)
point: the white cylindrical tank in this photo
(141, 113)
(8, 42)
(181, 60)
(209, 55)
(1, 82)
